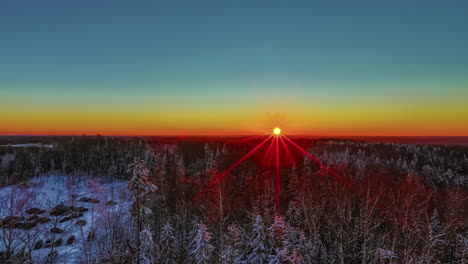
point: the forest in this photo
(99, 199)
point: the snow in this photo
(38, 145)
(47, 191)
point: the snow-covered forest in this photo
(94, 199)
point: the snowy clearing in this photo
(50, 193)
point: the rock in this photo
(33, 210)
(58, 242)
(76, 215)
(34, 217)
(38, 245)
(67, 218)
(56, 230)
(88, 200)
(16, 222)
(84, 199)
(60, 210)
(28, 225)
(71, 240)
(81, 222)
(81, 209)
(12, 219)
(42, 220)
(48, 243)
(18, 225)
(110, 203)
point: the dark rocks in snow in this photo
(56, 230)
(33, 217)
(16, 222)
(17, 225)
(58, 242)
(84, 199)
(81, 222)
(68, 211)
(38, 245)
(88, 200)
(71, 240)
(48, 243)
(111, 203)
(65, 219)
(35, 211)
(12, 222)
(60, 210)
(42, 220)
(28, 225)
(76, 215)
(81, 209)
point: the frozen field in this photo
(95, 202)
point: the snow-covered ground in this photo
(46, 192)
(39, 145)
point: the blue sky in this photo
(207, 52)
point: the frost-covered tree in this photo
(258, 243)
(232, 247)
(168, 245)
(141, 187)
(276, 233)
(146, 255)
(435, 238)
(200, 249)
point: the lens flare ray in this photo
(322, 165)
(278, 178)
(287, 150)
(267, 153)
(217, 179)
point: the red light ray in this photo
(287, 150)
(269, 156)
(278, 178)
(323, 166)
(217, 179)
(267, 153)
(251, 138)
(346, 182)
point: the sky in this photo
(380, 68)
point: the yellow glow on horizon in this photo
(277, 131)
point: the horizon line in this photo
(215, 135)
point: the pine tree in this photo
(231, 251)
(147, 247)
(200, 249)
(258, 245)
(435, 236)
(168, 245)
(141, 187)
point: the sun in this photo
(277, 131)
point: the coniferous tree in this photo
(147, 253)
(141, 187)
(200, 249)
(258, 244)
(168, 245)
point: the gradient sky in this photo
(234, 67)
